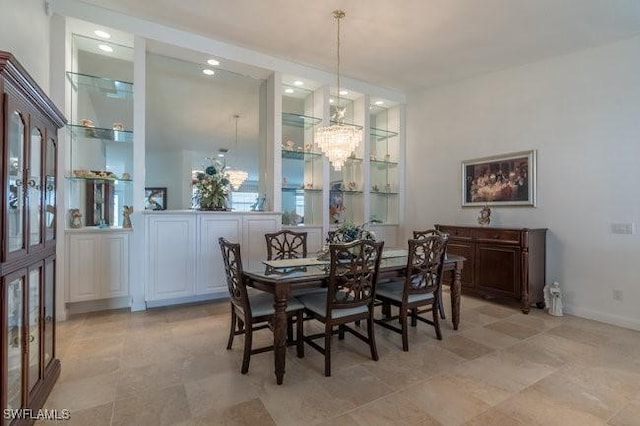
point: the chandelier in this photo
(338, 140)
(236, 176)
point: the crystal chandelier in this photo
(236, 176)
(338, 140)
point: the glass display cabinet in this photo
(302, 164)
(346, 197)
(101, 149)
(29, 124)
(384, 154)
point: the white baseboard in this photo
(605, 317)
(191, 299)
(98, 305)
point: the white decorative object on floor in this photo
(556, 299)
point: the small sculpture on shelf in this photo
(375, 188)
(75, 218)
(126, 176)
(485, 216)
(126, 216)
(308, 147)
(117, 127)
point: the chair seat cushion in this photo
(317, 303)
(262, 304)
(393, 290)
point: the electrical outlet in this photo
(622, 228)
(617, 295)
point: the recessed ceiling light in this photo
(288, 90)
(331, 101)
(221, 155)
(298, 83)
(344, 92)
(213, 62)
(207, 71)
(105, 48)
(102, 34)
(379, 102)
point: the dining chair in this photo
(418, 288)
(353, 270)
(286, 244)
(423, 234)
(251, 312)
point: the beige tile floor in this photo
(170, 366)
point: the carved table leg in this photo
(280, 330)
(455, 294)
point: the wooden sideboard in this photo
(501, 262)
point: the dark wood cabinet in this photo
(501, 262)
(29, 124)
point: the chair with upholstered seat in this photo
(251, 312)
(418, 288)
(286, 244)
(353, 271)
(423, 234)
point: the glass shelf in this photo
(100, 133)
(300, 155)
(380, 134)
(301, 190)
(383, 164)
(106, 86)
(299, 120)
(76, 178)
(382, 193)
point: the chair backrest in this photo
(233, 268)
(286, 244)
(425, 263)
(427, 233)
(353, 271)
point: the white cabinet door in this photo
(211, 273)
(114, 265)
(83, 267)
(171, 245)
(254, 246)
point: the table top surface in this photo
(300, 270)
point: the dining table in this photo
(283, 277)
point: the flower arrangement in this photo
(348, 232)
(212, 187)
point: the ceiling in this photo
(406, 45)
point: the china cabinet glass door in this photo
(33, 314)
(34, 187)
(49, 306)
(50, 190)
(14, 208)
(13, 332)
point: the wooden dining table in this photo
(281, 278)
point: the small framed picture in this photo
(500, 180)
(155, 198)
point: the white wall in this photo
(24, 31)
(582, 113)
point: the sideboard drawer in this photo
(457, 232)
(503, 235)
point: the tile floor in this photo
(170, 366)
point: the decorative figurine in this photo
(485, 216)
(126, 176)
(117, 126)
(126, 219)
(75, 218)
(555, 294)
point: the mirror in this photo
(190, 119)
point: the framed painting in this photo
(155, 198)
(500, 180)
